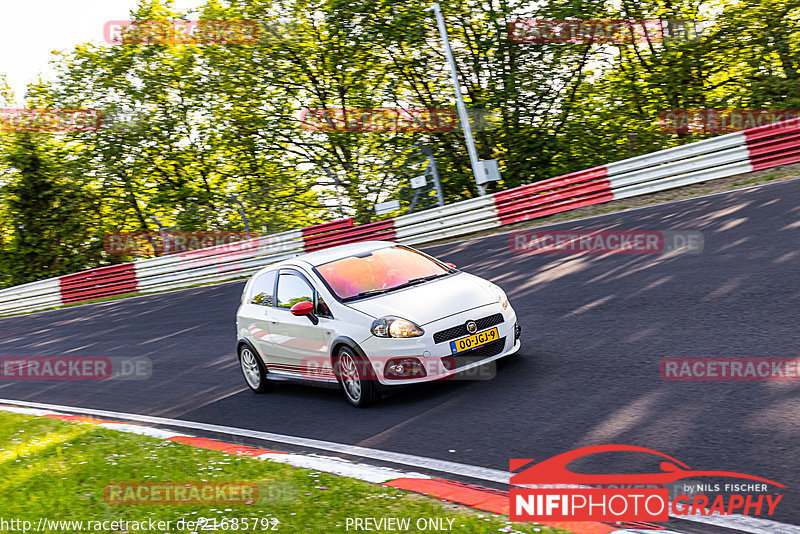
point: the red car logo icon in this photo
(554, 470)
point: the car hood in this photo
(430, 301)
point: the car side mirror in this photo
(305, 308)
(451, 265)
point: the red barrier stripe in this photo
(382, 236)
(327, 227)
(546, 198)
(553, 195)
(99, 282)
(772, 130)
(595, 193)
(524, 191)
(774, 144)
(94, 281)
(775, 160)
(484, 499)
(72, 297)
(214, 445)
(774, 151)
(364, 232)
(559, 207)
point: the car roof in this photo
(319, 257)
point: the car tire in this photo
(356, 378)
(255, 374)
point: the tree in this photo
(48, 218)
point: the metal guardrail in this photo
(32, 296)
(325, 238)
(453, 220)
(215, 264)
(719, 157)
(554, 195)
(97, 283)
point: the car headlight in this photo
(395, 327)
(502, 298)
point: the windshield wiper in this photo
(416, 281)
(365, 294)
(378, 291)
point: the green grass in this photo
(57, 470)
(766, 178)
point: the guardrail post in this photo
(434, 171)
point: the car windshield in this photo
(378, 271)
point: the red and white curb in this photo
(485, 499)
(490, 500)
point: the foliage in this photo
(192, 132)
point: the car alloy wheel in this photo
(252, 369)
(358, 383)
(350, 379)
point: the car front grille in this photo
(461, 330)
(462, 359)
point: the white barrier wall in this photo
(710, 159)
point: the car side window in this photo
(322, 308)
(263, 292)
(293, 289)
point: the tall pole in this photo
(462, 108)
(164, 244)
(243, 213)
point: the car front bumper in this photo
(433, 351)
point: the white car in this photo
(367, 316)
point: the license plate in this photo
(473, 341)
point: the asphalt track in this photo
(594, 331)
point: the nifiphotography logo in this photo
(547, 490)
